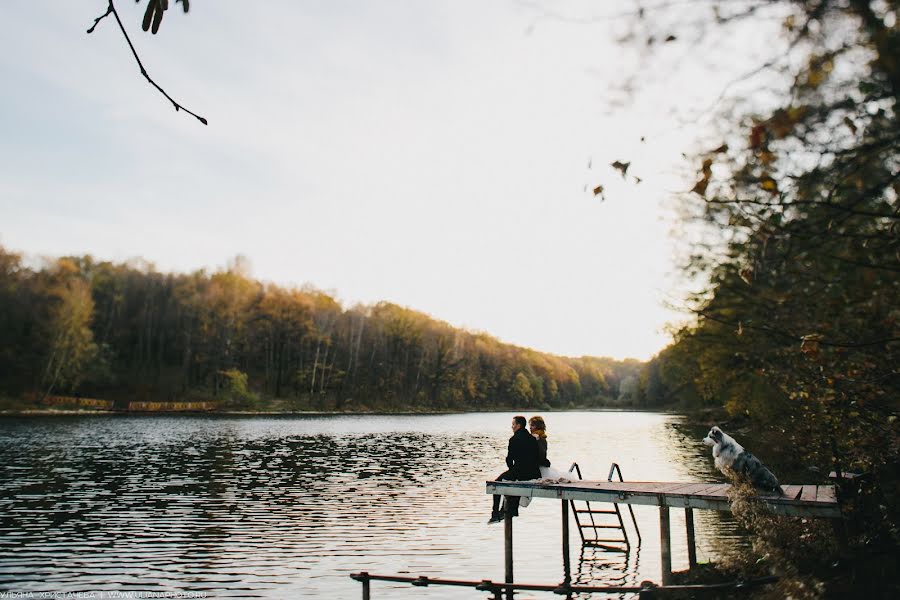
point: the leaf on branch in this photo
(783, 122)
(154, 13)
(790, 22)
(700, 187)
(598, 191)
(621, 167)
(809, 344)
(757, 135)
(819, 69)
(747, 275)
(721, 149)
(768, 184)
(671, 38)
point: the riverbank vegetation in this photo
(127, 332)
(797, 333)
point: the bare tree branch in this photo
(112, 10)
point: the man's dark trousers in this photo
(522, 460)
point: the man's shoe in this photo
(496, 516)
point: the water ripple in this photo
(275, 507)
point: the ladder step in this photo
(601, 526)
(597, 512)
(597, 541)
(624, 548)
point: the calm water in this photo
(289, 506)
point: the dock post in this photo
(665, 543)
(508, 551)
(366, 590)
(567, 563)
(692, 548)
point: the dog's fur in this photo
(731, 455)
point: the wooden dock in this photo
(797, 501)
(818, 501)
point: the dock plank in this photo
(714, 489)
(687, 489)
(667, 488)
(791, 491)
(808, 494)
(826, 493)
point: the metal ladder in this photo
(599, 528)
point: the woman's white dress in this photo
(548, 475)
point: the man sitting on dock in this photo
(522, 460)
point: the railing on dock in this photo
(598, 527)
(647, 590)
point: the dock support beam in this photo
(692, 547)
(508, 550)
(567, 563)
(665, 544)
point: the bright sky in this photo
(432, 154)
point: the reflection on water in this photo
(289, 506)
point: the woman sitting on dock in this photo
(538, 429)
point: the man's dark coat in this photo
(522, 457)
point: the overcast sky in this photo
(432, 154)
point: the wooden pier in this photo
(818, 501)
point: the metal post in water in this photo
(508, 550)
(363, 578)
(692, 548)
(567, 563)
(665, 544)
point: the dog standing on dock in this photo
(731, 455)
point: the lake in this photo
(289, 506)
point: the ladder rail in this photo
(577, 470)
(614, 467)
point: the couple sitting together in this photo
(526, 459)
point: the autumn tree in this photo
(72, 348)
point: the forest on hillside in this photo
(128, 332)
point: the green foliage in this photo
(234, 388)
(520, 390)
(72, 348)
(798, 330)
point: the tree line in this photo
(126, 331)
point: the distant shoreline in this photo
(52, 412)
